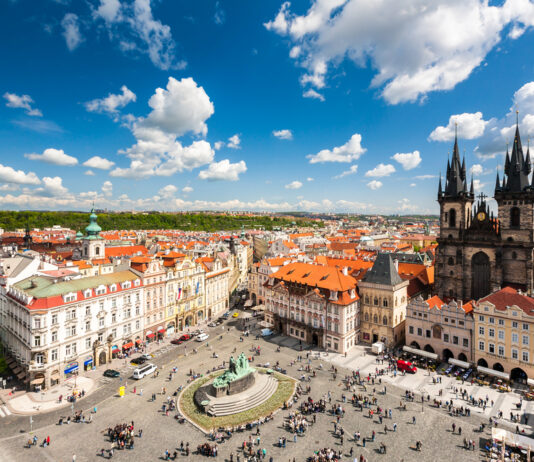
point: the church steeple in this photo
(497, 183)
(516, 167)
(455, 182)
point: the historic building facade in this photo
(478, 254)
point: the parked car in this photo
(137, 361)
(226, 315)
(111, 373)
(143, 371)
(176, 341)
(212, 324)
(235, 315)
(221, 319)
(147, 356)
(185, 337)
(202, 337)
(406, 366)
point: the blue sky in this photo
(326, 105)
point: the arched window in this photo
(452, 218)
(376, 301)
(375, 319)
(514, 255)
(367, 317)
(97, 250)
(385, 302)
(450, 261)
(515, 217)
(367, 299)
(385, 320)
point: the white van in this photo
(202, 337)
(141, 372)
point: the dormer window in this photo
(113, 288)
(126, 285)
(137, 282)
(100, 290)
(67, 298)
(88, 293)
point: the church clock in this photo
(481, 216)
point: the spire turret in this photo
(456, 181)
(472, 188)
(516, 168)
(497, 183)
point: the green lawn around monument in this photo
(286, 386)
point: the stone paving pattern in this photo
(433, 426)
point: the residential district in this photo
(402, 340)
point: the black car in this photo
(138, 361)
(111, 373)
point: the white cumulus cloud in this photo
(469, 126)
(53, 156)
(415, 48)
(71, 31)
(234, 142)
(99, 162)
(408, 160)
(350, 151)
(168, 191)
(10, 175)
(351, 171)
(294, 185)
(187, 189)
(223, 170)
(107, 188)
(112, 102)
(283, 134)
(380, 170)
(374, 184)
(313, 94)
(23, 102)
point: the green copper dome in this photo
(92, 229)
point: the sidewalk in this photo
(30, 403)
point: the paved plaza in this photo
(431, 425)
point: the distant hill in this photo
(210, 221)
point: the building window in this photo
(455, 340)
(54, 336)
(101, 322)
(501, 322)
(37, 341)
(452, 218)
(525, 339)
(515, 217)
(515, 354)
(410, 329)
(466, 342)
(491, 348)
(491, 332)
(385, 320)
(514, 324)
(88, 343)
(481, 318)
(525, 326)
(481, 330)
(419, 332)
(428, 333)
(501, 334)
(501, 350)
(481, 346)
(54, 319)
(491, 320)
(101, 337)
(366, 316)
(53, 355)
(376, 301)
(446, 338)
(525, 356)
(450, 261)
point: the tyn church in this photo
(479, 253)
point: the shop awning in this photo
(530, 382)
(512, 439)
(248, 303)
(88, 361)
(150, 335)
(127, 345)
(266, 324)
(21, 375)
(17, 370)
(71, 369)
(494, 373)
(161, 331)
(38, 381)
(114, 348)
(424, 353)
(55, 376)
(457, 362)
(138, 340)
(259, 308)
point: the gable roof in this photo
(507, 297)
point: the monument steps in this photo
(244, 403)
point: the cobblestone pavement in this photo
(432, 426)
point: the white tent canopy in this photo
(424, 353)
(494, 373)
(248, 304)
(457, 362)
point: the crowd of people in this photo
(121, 437)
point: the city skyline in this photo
(309, 106)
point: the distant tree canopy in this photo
(11, 220)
